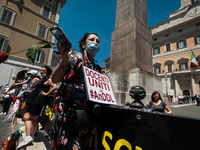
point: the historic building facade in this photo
(173, 41)
(22, 24)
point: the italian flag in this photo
(193, 61)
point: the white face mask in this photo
(43, 75)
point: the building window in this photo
(183, 66)
(168, 47)
(179, 30)
(193, 1)
(197, 39)
(166, 35)
(155, 39)
(46, 11)
(39, 56)
(181, 44)
(156, 51)
(51, 1)
(7, 15)
(169, 68)
(157, 68)
(3, 44)
(198, 24)
(53, 64)
(42, 31)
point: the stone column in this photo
(193, 89)
(175, 86)
(131, 62)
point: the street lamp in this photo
(166, 85)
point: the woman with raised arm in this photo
(72, 94)
(38, 99)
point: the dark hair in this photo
(83, 39)
(154, 93)
(49, 70)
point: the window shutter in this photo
(159, 50)
(180, 66)
(42, 57)
(186, 65)
(159, 69)
(153, 51)
(5, 45)
(154, 69)
(177, 45)
(195, 40)
(185, 44)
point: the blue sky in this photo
(98, 16)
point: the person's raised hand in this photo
(64, 53)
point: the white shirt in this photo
(11, 91)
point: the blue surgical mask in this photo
(25, 77)
(92, 48)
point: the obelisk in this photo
(131, 51)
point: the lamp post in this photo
(166, 85)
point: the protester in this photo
(8, 98)
(158, 104)
(193, 98)
(72, 94)
(38, 99)
(26, 93)
(197, 99)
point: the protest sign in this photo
(14, 108)
(98, 87)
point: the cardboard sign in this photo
(98, 87)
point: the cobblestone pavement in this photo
(5, 128)
(190, 110)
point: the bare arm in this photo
(21, 83)
(62, 67)
(168, 109)
(52, 85)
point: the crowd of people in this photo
(33, 94)
(186, 99)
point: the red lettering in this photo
(95, 95)
(103, 97)
(111, 99)
(92, 84)
(99, 84)
(87, 72)
(91, 74)
(107, 98)
(91, 93)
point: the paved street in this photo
(186, 110)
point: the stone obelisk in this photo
(131, 52)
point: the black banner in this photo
(126, 129)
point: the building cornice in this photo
(23, 32)
(172, 53)
(174, 21)
(22, 62)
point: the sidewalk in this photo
(5, 128)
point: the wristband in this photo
(63, 67)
